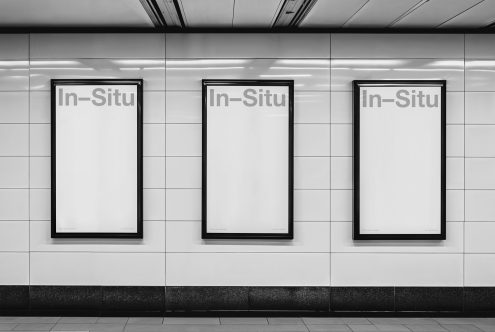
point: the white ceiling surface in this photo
(229, 13)
(73, 13)
(379, 13)
(400, 14)
(434, 13)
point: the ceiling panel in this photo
(73, 13)
(208, 13)
(331, 13)
(256, 13)
(434, 12)
(380, 13)
(480, 15)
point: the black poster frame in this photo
(290, 181)
(357, 235)
(139, 158)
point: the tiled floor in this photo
(247, 324)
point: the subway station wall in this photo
(172, 252)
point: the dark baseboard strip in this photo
(246, 301)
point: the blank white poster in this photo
(247, 159)
(96, 150)
(400, 159)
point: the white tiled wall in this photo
(172, 251)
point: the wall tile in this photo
(14, 46)
(455, 107)
(14, 235)
(14, 172)
(184, 236)
(183, 204)
(455, 141)
(397, 46)
(479, 107)
(341, 106)
(14, 204)
(154, 172)
(14, 140)
(479, 205)
(184, 172)
(154, 140)
(154, 107)
(479, 270)
(341, 143)
(85, 268)
(228, 45)
(263, 269)
(154, 204)
(184, 106)
(341, 205)
(39, 140)
(479, 46)
(342, 173)
(478, 141)
(40, 172)
(14, 75)
(110, 45)
(479, 173)
(311, 205)
(311, 173)
(479, 237)
(14, 107)
(311, 107)
(40, 204)
(311, 140)
(455, 173)
(184, 140)
(39, 106)
(480, 75)
(153, 240)
(396, 269)
(455, 205)
(342, 242)
(14, 268)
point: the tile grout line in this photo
(330, 174)
(29, 166)
(464, 182)
(165, 179)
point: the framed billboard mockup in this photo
(399, 160)
(96, 160)
(247, 177)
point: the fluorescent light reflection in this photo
(366, 62)
(54, 62)
(308, 62)
(480, 63)
(13, 63)
(137, 62)
(288, 75)
(300, 68)
(203, 68)
(206, 62)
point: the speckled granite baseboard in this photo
(157, 300)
